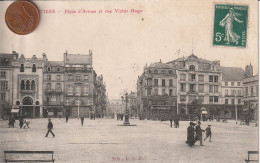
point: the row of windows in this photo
(27, 85)
(77, 77)
(3, 75)
(252, 92)
(212, 99)
(192, 77)
(58, 77)
(233, 92)
(162, 72)
(57, 86)
(53, 68)
(155, 92)
(78, 90)
(192, 88)
(4, 85)
(156, 81)
(233, 83)
(22, 68)
(233, 101)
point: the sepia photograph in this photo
(135, 81)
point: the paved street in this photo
(150, 141)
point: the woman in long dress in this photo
(227, 22)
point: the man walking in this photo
(82, 120)
(50, 127)
(199, 131)
(177, 121)
(208, 133)
(67, 118)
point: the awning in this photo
(203, 109)
(14, 110)
(204, 112)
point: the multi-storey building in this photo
(156, 91)
(251, 96)
(79, 78)
(197, 79)
(28, 84)
(100, 98)
(53, 84)
(133, 110)
(5, 84)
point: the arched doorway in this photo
(27, 108)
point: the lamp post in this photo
(78, 106)
(125, 100)
(236, 105)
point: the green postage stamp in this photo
(230, 25)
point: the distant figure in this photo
(171, 118)
(21, 122)
(198, 131)
(190, 134)
(67, 118)
(26, 123)
(50, 127)
(177, 121)
(11, 121)
(82, 120)
(208, 133)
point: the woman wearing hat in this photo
(190, 134)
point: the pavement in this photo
(104, 140)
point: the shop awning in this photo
(14, 110)
(204, 112)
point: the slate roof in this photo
(160, 65)
(78, 59)
(6, 60)
(54, 63)
(232, 73)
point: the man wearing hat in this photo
(208, 133)
(198, 131)
(190, 134)
(50, 127)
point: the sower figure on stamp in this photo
(198, 131)
(50, 127)
(208, 133)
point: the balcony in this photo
(27, 91)
(52, 102)
(54, 91)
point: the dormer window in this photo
(156, 71)
(34, 68)
(48, 69)
(192, 68)
(58, 68)
(22, 68)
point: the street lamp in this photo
(236, 104)
(125, 100)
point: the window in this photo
(156, 71)
(182, 98)
(163, 82)
(215, 99)
(155, 82)
(192, 77)
(226, 83)
(48, 77)
(252, 91)
(170, 82)
(211, 99)
(2, 96)
(22, 68)
(70, 90)
(155, 91)
(170, 92)
(246, 91)
(49, 86)
(239, 92)
(70, 77)
(233, 101)
(48, 69)
(58, 68)
(238, 83)
(170, 72)
(201, 87)
(33, 85)
(233, 92)
(211, 78)
(226, 101)
(163, 71)
(239, 101)
(149, 91)
(192, 68)
(215, 79)
(201, 98)
(232, 83)
(192, 88)
(183, 77)
(163, 91)
(216, 88)
(86, 77)
(226, 91)
(78, 90)
(3, 74)
(85, 89)
(3, 86)
(77, 77)
(58, 86)
(57, 77)
(201, 78)
(192, 98)
(34, 68)
(149, 82)
(183, 87)
(27, 85)
(211, 88)
(22, 85)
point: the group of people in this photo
(194, 133)
(176, 120)
(119, 116)
(23, 122)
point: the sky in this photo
(122, 43)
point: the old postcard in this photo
(129, 81)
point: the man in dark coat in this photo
(177, 121)
(190, 134)
(50, 127)
(82, 120)
(199, 131)
(67, 118)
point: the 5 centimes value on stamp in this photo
(22, 17)
(230, 25)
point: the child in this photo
(26, 123)
(208, 133)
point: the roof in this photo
(160, 65)
(5, 60)
(232, 73)
(191, 57)
(54, 63)
(78, 59)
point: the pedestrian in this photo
(198, 131)
(82, 120)
(208, 133)
(190, 134)
(21, 122)
(11, 121)
(177, 121)
(26, 123)
(171, 118)
(50, 127)
(67, 118)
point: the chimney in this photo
(249, 70)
